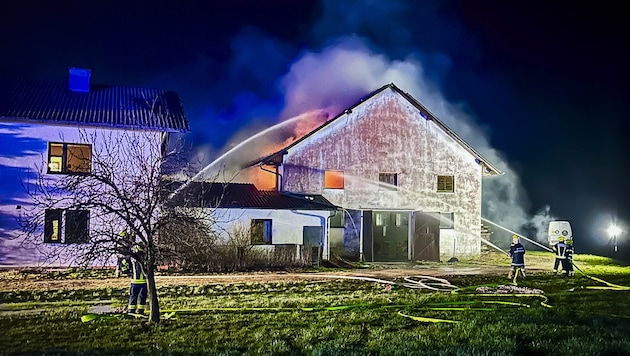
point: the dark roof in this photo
(51, 101)
(243, 195)
(276, 157)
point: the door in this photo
(426, 238)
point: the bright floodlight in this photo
(613, 230)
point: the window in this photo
(333, 179)
(446, 184)
(69, 158)
(390, 180)
(447, 221)
(76, 226)
(337, 218)
(52, 225)
(261, 232)
(402, 219)
(380, 219)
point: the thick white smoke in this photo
(335, 76)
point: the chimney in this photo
(79, 79)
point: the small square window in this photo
(388, 180)
(261, 232)
(333, 180)
(446, 184)
(447, 221)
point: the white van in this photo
(559, 228)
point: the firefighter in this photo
(559, 248)
(138, 289)
(124, 249)
(517, 252)
(568, 261)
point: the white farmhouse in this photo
(50, 129)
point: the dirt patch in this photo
(384, 272)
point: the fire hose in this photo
(434, 284)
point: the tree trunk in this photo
(154, 304)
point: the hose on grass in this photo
(609, 286)
(434, 284)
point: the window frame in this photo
(85, 226)
(331, 176)
(443, 184)
(388, 180)
(63, 169)
(266, 237)
(50, 216)
(62, 217)
(451, 217)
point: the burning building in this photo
(408, 188)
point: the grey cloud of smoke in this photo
(357, 47)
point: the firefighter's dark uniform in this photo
(138, 290)
(568, 261)
(560, 248)
(517, 252)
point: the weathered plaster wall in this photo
(388, 134)
(23, 158)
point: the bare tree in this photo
(114, 180)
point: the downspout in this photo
(279, 188)
(324, 222)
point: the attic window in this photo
(446, 184)
(389, 180)
(333, 179)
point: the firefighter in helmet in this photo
(138, 290)
(559, 248)
(517, 252)
(568, 261)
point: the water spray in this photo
(517, 234)
(231, 150)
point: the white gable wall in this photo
(388, 134)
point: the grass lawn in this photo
(576, 316)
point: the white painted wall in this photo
(23, 156)
(286, 225)
(388, 134)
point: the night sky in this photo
(543, 87)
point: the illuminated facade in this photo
(409, 188)
(51, 129)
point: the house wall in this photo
(286, 226)
(23, 158)
(388, 134)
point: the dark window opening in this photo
(77, 226)
(261, 232)
(52, 226)
(337, 218)
(390, 180)
(446, 184)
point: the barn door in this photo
(368, 242)
(426, 238)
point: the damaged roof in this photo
(276, 157)
(51, 101)
(244, 195)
